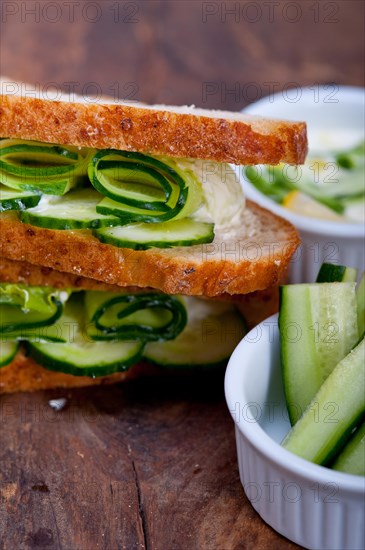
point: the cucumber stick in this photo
(352, 457)
(8, 350)
(330, 273)
(318, 327)
(360, 297)
(334, 411)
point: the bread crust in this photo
(23, 374)
(254, 257)
(213, 135)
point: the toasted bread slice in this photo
(254, 255)
(220, 136)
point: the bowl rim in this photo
(351, 94)
(263, 443)
(354, 94)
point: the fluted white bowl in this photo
(330, 109)
(309, 504)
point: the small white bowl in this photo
(331, 110)
(311, 505)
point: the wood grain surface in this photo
(151, 463)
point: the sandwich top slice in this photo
(118, 222)
(130, 194)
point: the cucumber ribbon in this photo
(92, 315)
(42, 167)
(23, 308)
(150, 317)
(140, 188)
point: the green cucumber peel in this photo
(76, 210)
(318, 327)
(360, 298)
(141, 236)
(23, 307)
(8, 351)
(213, 331)
(352, 158)
(12, 199)
(335, 410)
(143, 188)
(331, 273)
(351, 459)
(87, 358)
(146, 316)
(79, 354)
(42, 167)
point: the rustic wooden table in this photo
(151, 463)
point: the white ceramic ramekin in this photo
(311, 505)
(325, 109)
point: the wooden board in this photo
(152, 464)
(147, 464)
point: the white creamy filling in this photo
(222, 189)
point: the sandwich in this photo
(126, 241)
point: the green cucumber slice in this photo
(160, 235)
(213, 331)
(45, 167)
(124, 316)
(82, 358)
(8, 351)
(23, 307)
(352, 457)
(360, 298)
(11, 199)
(79, 355)
(318, 327)
(76, 210)
(335, 410)
(330, 273)
(143, 188)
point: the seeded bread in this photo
(253, 256)
(24, 374)
(220, 136)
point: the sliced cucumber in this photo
(79, 355)
(360, 297)
(213, 331)
(141, 236)
(23, 307)
(76, 210)
(82, 358)
(352, 457)
(318, 327)
(45, 167)
(330, 273)
(10, 199)
(144, 188)
(8, 351)
(335, 410)
(146, 316)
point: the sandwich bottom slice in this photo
(60, 330)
